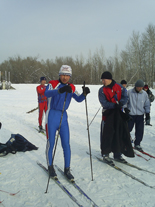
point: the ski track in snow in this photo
(19, 172)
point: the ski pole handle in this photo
(84, 88)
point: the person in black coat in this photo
(151, 98)
(115, 135)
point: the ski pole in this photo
(97, 113)
(32, 110)
(88, 134)
(94, 116)
(55, 146)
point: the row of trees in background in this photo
(137, 61)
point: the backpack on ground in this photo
(17, 143)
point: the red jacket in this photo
(113, 94)
(109, 95)
(41, 96)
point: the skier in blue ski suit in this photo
(59, 94)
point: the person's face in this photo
(64, 78)
(106, 82)
(145, 89)
(124, 85)
(139, 88)
(43, 82)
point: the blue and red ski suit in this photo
(42, 101)
(53, 117)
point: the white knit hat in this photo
(65, 70)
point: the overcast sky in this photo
(50, 28)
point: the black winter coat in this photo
(150, 95)
(116, 136)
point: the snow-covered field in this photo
(19, 172)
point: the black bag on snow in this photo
(17, 143)
(3, 149)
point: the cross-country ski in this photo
(78, 188)
(57, 181)
(146, 153)
(124, 172)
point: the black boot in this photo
(108, 160)
(68, 174)
(41, 129)
(139, 148)
(52, 172)
(120, 159)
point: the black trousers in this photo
(138, 121)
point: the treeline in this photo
(137, 61)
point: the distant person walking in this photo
(151, 98)
(42, 101)
(138, 105)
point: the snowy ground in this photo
(20, 172)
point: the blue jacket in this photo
(56, 99)
(138, 103)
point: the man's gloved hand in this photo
(147, 116)
(127, 111)
(86, 90)
(65, 89)
(118, 105)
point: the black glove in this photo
(65, 89)
(127, 111)
(147, 116)
(86, 90)
(0, 125)
(118, 106)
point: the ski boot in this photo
(68, 174)
(120, 159)
(107, 160)
(41, 129)
(139, 148)
(52, 172)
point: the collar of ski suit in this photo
(54, 84)
(111, 84)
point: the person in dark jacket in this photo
(112, 97)
(151, 98)
(123, 83)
